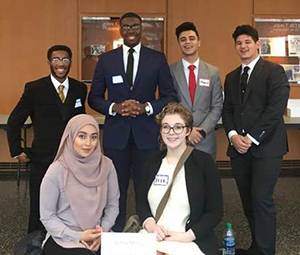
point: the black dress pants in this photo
(256, 179)
(128, 164)
(37, 172)
(52, 248)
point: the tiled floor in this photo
(14, 204)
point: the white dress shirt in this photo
(187, 70)
(136, 58)
(251, 67)
(56, 83)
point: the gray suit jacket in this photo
(208, 102)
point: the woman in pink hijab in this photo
(79, 193)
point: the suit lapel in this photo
(141, 67)
(71, 93)
(253, 78)
(54, 95)
(237, 84)
(52, 91)
(182, 83)
(119, 62)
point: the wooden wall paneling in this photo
(28, 29)
(5, 155)
(276, 7)
(294, 144)
(295, 91)
(122, 6)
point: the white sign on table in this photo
(128, 244)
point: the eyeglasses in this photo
(65, 60)
(134, 27)
(177, 129)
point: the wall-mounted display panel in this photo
(280, 43)
(101, 34)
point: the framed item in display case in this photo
(101, 34)
(280, 43)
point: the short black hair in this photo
(57, 48)
(245, 30)
(130, 15)
(186, 26)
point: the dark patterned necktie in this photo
(244, 80)
(129, 71)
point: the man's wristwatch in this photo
(147, 109)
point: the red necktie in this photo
(192, 82)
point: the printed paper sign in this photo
(128, 244)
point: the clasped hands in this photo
(23, 158)
(90, 238)
(130, 107)
(241, 143)
(164, 235)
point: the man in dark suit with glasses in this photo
(50, 102)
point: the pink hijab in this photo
(85, 179)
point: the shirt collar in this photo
(187, 64)
(252, 64)
(136, 48)
(56, 83)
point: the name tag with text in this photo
(117, 79)
(78, 103)
(161, 180)
(204, 82)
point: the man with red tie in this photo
(198, 88)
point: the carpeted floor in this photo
(14, 204)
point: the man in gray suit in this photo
(199, 89)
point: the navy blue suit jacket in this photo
(153, 71)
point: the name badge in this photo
(117, 79)
(204, 82)
(78, 103)
(161, 180)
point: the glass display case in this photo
(280, 43)
(101, 34)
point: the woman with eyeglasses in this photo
(194, 207)
(79, 193)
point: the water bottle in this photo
(228, 241)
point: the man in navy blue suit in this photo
(131, 74)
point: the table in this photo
(291, 123)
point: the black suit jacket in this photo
(204, 194)
(49, 117)
(261, 112)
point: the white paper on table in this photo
(128, 244)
